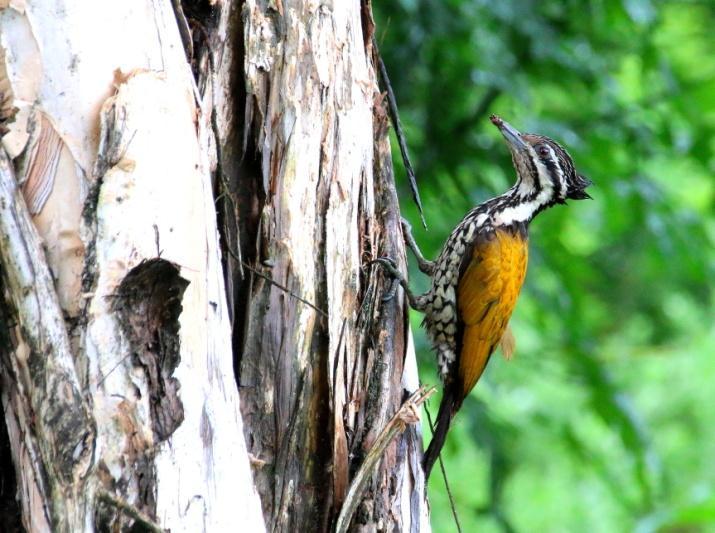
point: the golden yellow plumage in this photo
(486, 296)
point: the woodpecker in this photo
(479, 273)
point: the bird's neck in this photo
(520, 204)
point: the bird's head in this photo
(544, 169)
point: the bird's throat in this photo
(520, 207)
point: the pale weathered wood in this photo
(270, 110)
(155, 199)
(41, 392)
(318, 390)
(124, 168)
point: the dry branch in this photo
(407, 414)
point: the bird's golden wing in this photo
(486, 295)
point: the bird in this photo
(478, 275)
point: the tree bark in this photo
(318, 385)
(125, 320)
(118, 387)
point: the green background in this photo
(605, 419)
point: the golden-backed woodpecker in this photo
(478, 275)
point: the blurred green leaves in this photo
(604, 420)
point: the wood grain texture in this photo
(317, 388)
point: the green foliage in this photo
(604, 420)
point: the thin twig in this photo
(444, 476)
(131, 511)
(282, 287)
(406, 414)
(124, 358)
(275, 283)
(226, 191)
(392, 104)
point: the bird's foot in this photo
(398, 278)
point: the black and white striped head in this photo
(545, 171)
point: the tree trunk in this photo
(122, 318)
(118, 381)
(319, 385)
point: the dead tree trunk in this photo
(320, 380)
(117, 373)
(124, 319)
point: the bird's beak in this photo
(510, 133)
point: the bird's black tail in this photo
(447, 408)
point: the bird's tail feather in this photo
(447, 408)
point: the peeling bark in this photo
(41, 391)
(117, 383)
(318, 389)
(122, 316)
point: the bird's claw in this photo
(390, 294)
(389, 265)
(386, 261)
(391, 268)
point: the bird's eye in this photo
(543, 150)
